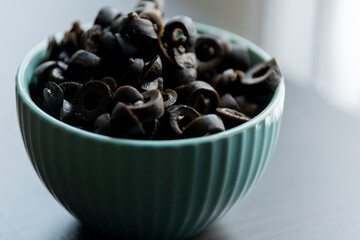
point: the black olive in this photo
(91, 38)
(170, 97)
(92, 100)
(83, 65)
(106, 15)
(155, 18)
(210, 52)
(195, 93)
(180, 30)
(236, 57)
(263, 78)
(102, 124)
(134, 72)
(152, 70)
(137, 30)
(127, 95)
(152, 107)
(67, 113)
(156, 84)
(70, 89)
(248, 106)
(110, 82)
(180, 77)
(173, 121)
(124, 123)
(53, 99)
(228, 101)
(231, 118)
(71, 41)
(203, 126)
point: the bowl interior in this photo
(24, 81)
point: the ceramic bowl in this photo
(146, 189)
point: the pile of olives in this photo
(136, 76)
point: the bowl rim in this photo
(24, 95)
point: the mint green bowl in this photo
(169, 189)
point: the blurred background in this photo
(317, 43)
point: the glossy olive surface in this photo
(147, 189)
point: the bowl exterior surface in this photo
(147, 189)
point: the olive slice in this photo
(106, 15)
(210, 52)
(152, 107)
(180, 30)
(228, 81)
(228, 101)
(175, 118)
(170, 97)
(83, 65)
(152, 70)
(67, 113)
(70, 89)
(90, 39)
(53, 99)
(247, 106)
(110, 82)
(146, 6)
(124, 123)
(183, 76)
(92, 100)
(134, 72)
(102, 124)
(151, 4)
(137, 30)
(50, 71)
(185, 60)
(236, 56)
(71, 40)
(203, 126)
(231, 118)
(195, 93)
(263, 78)
(155, 17)
(127, 95)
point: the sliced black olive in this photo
(248, 106)
(102, 124)
(181, 76)
(137, 30)
(228, 101)
(124, 123)
(151, 129)
(170, 97)
(127, 95)
(231, 118)
(67, 113)
(127, 49)
(152, 107)
(71, 40)
(53, 50)
(173, 121)
(45, 72)
(195, 93)
(180, 30)
(106, 15)
(91, 38)
(236, 57)
(152, 70)
(134, 72)
(263, 78)
(110, 82)
(155, 17)
(227, 81)
(210, 52)
(53, 98)
(92, 100)
(70, 89)
(109, 49)
(156, 84)
(83, 65)
(203, 126)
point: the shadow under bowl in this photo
(145, 188)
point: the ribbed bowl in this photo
(147, 189)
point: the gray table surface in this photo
(309, 190)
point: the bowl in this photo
(147, 189)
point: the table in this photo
(308, 191)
